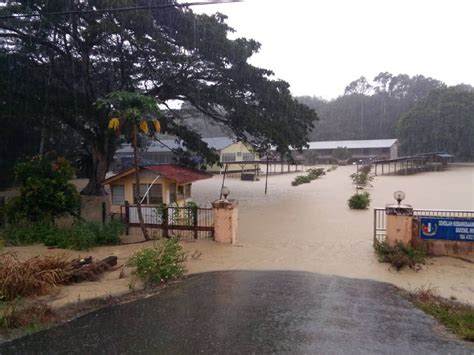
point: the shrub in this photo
(31, 277)
(24, 233)
(314, 174)
(362, 178)
(45, 190)
(332, 168)
(399, 255)
(161, 263)
(359, 201)
(301, 179)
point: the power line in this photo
(119, 9)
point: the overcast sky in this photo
(319, 46)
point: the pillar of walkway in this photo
(399, 224)
(226, 221)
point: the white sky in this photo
(319, 46)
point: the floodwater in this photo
(310, 227)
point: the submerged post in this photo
(226, 216)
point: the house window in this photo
(187, 191)
(154, 196)
(118, 194)
(248, 157)
(181, 190)
(227, 157)
(173, 192)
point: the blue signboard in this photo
(454, 229)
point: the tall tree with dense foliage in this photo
(170, 54)
(442, 122)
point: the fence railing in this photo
(380, 219)
(183, 222)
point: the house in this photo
(230, 151)
(322, 152)
(169, 184)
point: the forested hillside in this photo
(422, 112)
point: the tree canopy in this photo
(174, 54)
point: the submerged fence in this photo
(163, 221)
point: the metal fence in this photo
(380, 218)
(163, 221)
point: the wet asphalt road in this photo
(246, 312)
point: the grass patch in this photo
(29, 317)
(457, 317)
(400, 255)
(32, 277)
(163, 262)
(359, 201)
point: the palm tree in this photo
(132, 113)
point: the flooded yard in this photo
(310, 227)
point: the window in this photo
(248, 157)
(187, 191)
(154, 196)
(227, 157)
(181, 190)
(173, 192)
(118, 194)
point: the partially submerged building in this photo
(169, 184)
(237, 154)
(323, 152)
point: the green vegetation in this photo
(399, 255)
(332, 168)
(82, 235)
(313, 174)
(362, 178)
(45, 191)
(457, 317)
(359, 201)
(163, 262)
(41, 106)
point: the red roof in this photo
(178, 173)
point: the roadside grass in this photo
(28, 317)
(457, 317)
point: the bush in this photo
(161, 263)
(332, 168)
(14, 315)
(31, 277)
(314, 174)
(400, 255)
(359, 201)
(80, 236)
(25, 233)
(301, 179)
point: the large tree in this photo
(442, 122)
(171, 54)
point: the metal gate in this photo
(162, 221)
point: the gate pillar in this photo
(399, 224)
(226, 220)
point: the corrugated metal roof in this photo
(217, 143)
(356, 144)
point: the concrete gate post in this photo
(399, 224)
(226, 216)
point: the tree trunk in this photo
(137, 184)
(99, 168)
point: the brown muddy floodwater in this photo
(310, 227)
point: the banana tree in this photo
(131, 114)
